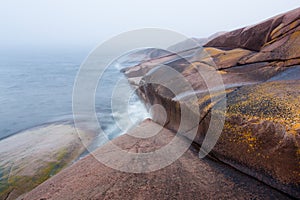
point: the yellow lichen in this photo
(21, 184)
(276, 30)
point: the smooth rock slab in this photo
(187, 178)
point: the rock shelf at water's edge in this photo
(258, 153)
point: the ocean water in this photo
(36, 88)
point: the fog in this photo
(88, 23)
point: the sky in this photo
(90, 22)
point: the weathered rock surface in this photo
(259, 69)
(276, 40)
(29, 158)
(257, 37)
(261, 134)
(187, 178)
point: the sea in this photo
(36, 88)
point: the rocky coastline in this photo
(261, 130)
(187, 178)
(34, 155)
(258, 153)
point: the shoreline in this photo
(186, 178)
(68, 121)
(32, 156)
(256, 155)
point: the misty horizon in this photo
(62, 24)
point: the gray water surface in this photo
(36, 88)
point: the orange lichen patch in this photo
(193, 68)
(214, 51)
(276, 30)
(283, 49)
(230, 58)
(222, 72)
(293, 44)
(208, 101)
(213, 95)
(239, 135)
(197, 67)
(223, 58)
(282, 29)
(292, 62)
(286, 63)
(275, 101)
(252, 142)
(296, 126)
(294, 24)
(298, 154)
(281, 32)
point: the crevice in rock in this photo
(8, 194)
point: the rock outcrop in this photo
(187, 178)
(275, 40)
(29, 158)
(259, 68)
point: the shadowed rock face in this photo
(259, 66)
